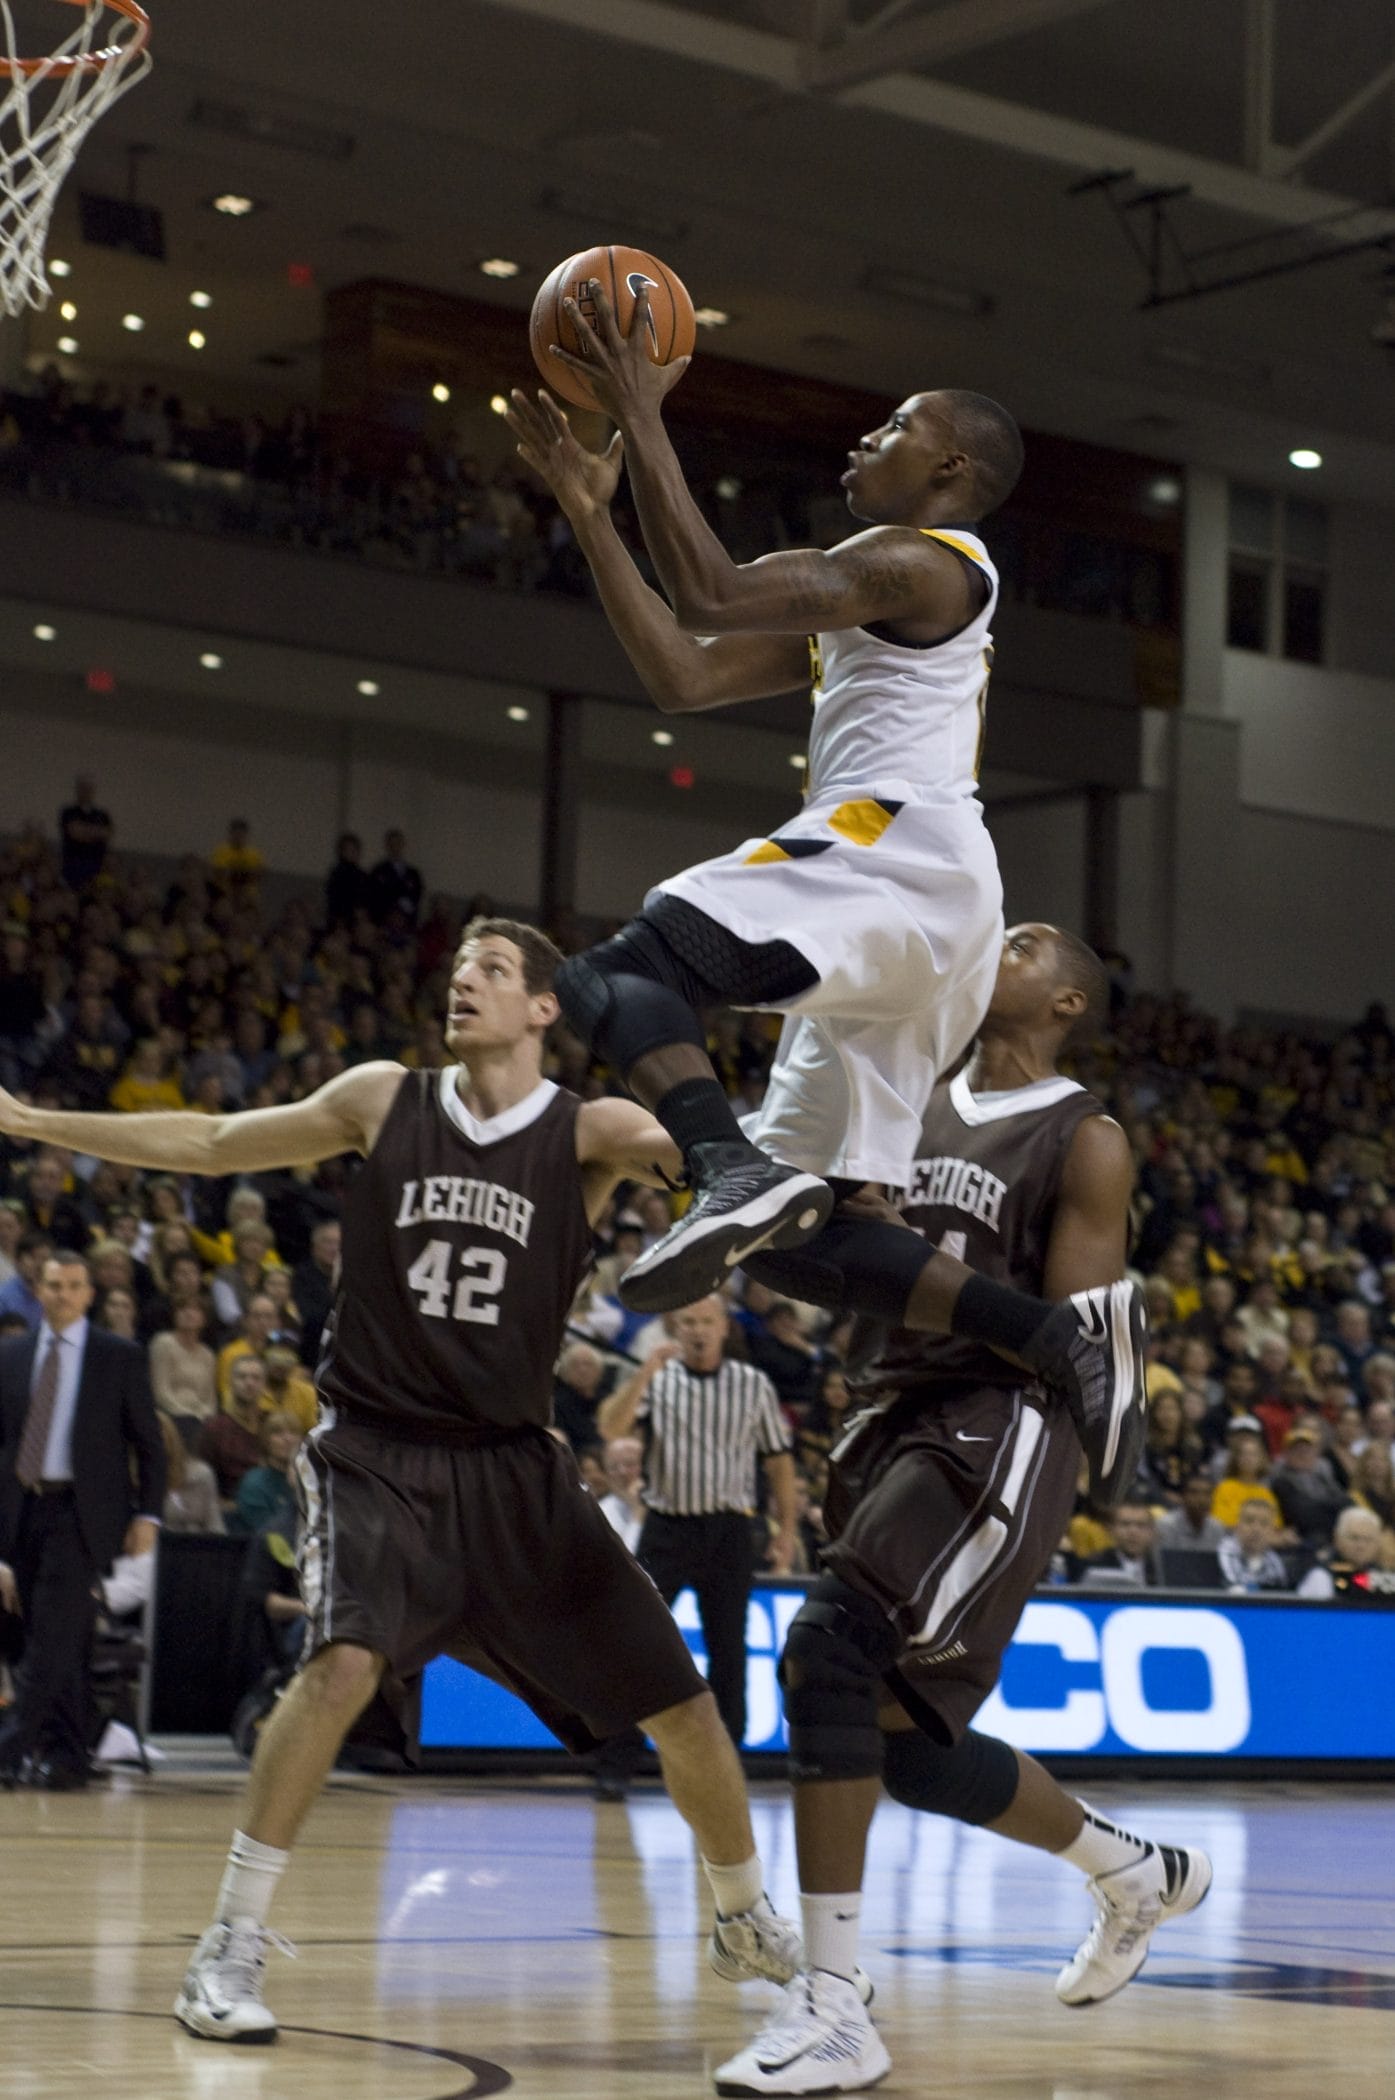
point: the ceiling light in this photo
(68, 310)
(728, 488)
(201, 299)
(440, 392)
(797, 758)
(44, 633)
(68, 345)
(58, 268)
(518, 714)
(1305, 457)
(369, 688)
(710, 317)
(233, 206)
(1165, 489)
(132, 323)
(197, 339)
(661, 736)
(499, 403)
(498, 266)
(211, 662)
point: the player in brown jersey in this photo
(440, 1515)
(946, 1499)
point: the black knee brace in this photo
(643, 989)
(837, 1649)
(630, 996)
(975, 1782)
(851, 1266)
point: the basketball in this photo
(620, 271)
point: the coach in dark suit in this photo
(75, 1410)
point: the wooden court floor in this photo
(460, 1938)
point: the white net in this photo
(47, 107)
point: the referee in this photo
(705, 1420)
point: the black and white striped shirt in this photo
(704, 1431)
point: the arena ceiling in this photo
(874, 193)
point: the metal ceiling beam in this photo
(1259, 85)
(1284, 159)
(1011, 126)
(927, 40)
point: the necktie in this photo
(33, 1442)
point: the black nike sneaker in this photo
(742, 1202)
(1091, 1351)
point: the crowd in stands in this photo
(442, 512)
(1265, 1226)
(445, 511)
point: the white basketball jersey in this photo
(893, 712)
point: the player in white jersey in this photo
(873, 919)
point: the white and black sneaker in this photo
(742, 1202)
(761, 1946)
(1090, 1350)
(820, 2041)
(221, 1996)
(1132, 1902)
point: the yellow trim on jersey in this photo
(983, 709)
(960, 546)
(815, 663)
(763, 854)
(860, 822)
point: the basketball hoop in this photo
(47, 107)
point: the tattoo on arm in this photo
(878, 571)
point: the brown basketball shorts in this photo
(946, 1509)
(496, 1555)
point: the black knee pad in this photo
(975, 1782)
(851, 1266)
(837, 1650)
(623, 1001)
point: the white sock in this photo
(738, 1888)
(249, 1880)
(831, 1927)
(1102, 1847)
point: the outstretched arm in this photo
(344, 1116)
(681, 672)
(887, 573)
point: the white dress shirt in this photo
(72, 1345)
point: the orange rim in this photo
(91, 61)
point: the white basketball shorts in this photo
(895, 899)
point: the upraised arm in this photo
(681, 672)
(344, 1116)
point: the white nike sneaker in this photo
(820, 2041)
(759, 1945)
(221, 1996)
(1132, 1902)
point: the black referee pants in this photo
(715, 1556)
